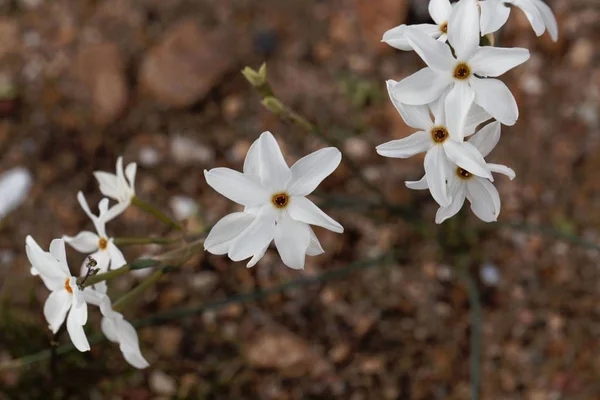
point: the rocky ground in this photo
(84, 81)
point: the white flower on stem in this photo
(275, 204)
(439, 10)
(100, 247)
(119, 187)
(436, 138)
(464, 78)
(65, 296)
(117, 329)
(494, 14)
(481, 193)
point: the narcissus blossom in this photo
(65, 296)
(119, 187)
(275, 204)
(463, 76)
(494, 14)
(100, 247)
(438, 140)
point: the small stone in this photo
(169, 340)
(185, 65)
(183, 207)
(489, 274)
(581, 53)
(162, 384)
(149, 157)
(204, 282)
(186, 150)
(339, 353)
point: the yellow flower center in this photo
(68, 285)
(463, 173)
(444, 27)
(462, 71)
(439, 134)
(102, 243)
(280, 200)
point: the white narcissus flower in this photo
(481, 193)
(100, 247)
(65, 296)
(275, 204)
(436, 138)
(14, 186)
(464, 78)
(119, 186)
(494, 14)
(439, 10)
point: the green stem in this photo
(127, 241)
(120, 304)
(105, 276)
(150, 209)
(476, 335)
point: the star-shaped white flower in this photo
(100, 247)
(65, 296)
(276, 206)
(494, 14)
(437, 139)
(119, 187)
(463, 77)
(481, 193)
(439, 10)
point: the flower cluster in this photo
(456, 93)
(69, 297)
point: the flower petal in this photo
(303, 210)
(257, 257)
(98, 222)
(548, 17)
(117, 260)
(436, 54)
(396, 38)
(533, 15)
(108, 183)
(466, 156)
(458, 199)
(75, 321)
(495, 98)
(274, 173)
(115, 211)
(292, 239)
(476, 116)
(494, 61)
(422, 87)
(130, 345)
(56, 307)
(436, 173)
(457, 105)
(440, 11)
(421, 184)
(237, 187)
(130, 172)
(58, 251)
(414, 116)
(109, 329)
(487, 138)
(252, 160)
(85, 242)
(314, 247)
(494, 15)
(309, 171)
(221, 236)
(463, 29)
(256, 236)
(45, 265)
(416, 143)
(484, 198)
(502, 169)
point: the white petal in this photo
(117, 260)
(14, 187)
(476, 116)
(94, 297)
(487, 138)
(437, 55)
(494, 15)
(58, 251)
(414, 116)
(495, 98)
(130, 172)
(256, 236)
(98, 221)
(466, 156)
(257, 257)
(422, 87)
(484, 198)
(494, 61)
(458, 103)
(109, 329)
(396, 38)
(458, 199)
(75, 327)
(533, 15)
(292, 239)
(108, 183)
(548, 18)
(309, 171)
(440, 11)
(274, 173)
(314, 247)
(421, 184)
(222, 235)
(436, 173)
(502, 169)
(115, 211)
(252, 161)
(130, 345)
(237, 187)
(303, 210)
(85, 242)
(56, 307)
(45, 265)
(416, 143)
(463, 29)
(136, 359)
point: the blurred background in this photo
(84, 81)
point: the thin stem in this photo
(120, 304)
(105, 276)
(128, 241)
(476, 334)
(150, 209)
